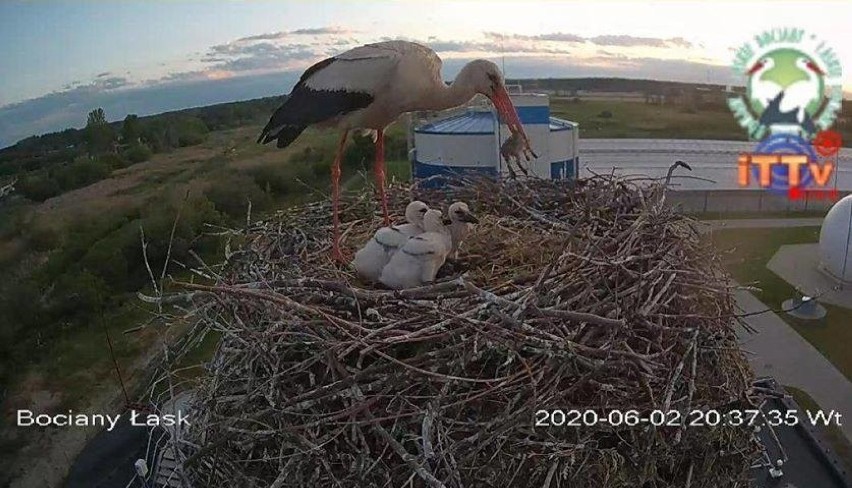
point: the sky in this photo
(61, 59)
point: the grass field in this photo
(746, 252)
(634, 119)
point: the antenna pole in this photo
(503, 53)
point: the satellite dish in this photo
(804, 307)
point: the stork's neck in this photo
(458, 93)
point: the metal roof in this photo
(476, 122)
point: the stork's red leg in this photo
(335, 198)
(380, 173)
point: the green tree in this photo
(99, 135)
(131, 130)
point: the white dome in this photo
(835, 240)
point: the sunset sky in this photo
(60, 59)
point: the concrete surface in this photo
(798, 264)
(761, 223)
(779, 351)
(710, 159)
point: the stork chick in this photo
(372, 258)
(418, 261)
(462, 223)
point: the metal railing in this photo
(158, 438)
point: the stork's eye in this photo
(495, 81)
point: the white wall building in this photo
(470, 142)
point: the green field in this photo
(629, 119)
(746, 252)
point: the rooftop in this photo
(475, 122)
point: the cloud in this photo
(110, 83)
(511, 46)
(285, 50)
(604, 40)
(264, 56)
(555, 37)
(263, 37)
(319, 31)
(630, 41)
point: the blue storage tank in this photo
(469, 142)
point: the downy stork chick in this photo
(418, 261)
(372, 258)
(462, 223)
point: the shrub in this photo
(106, 260)
(39, 187)
(310, 155)
(190, 131)
(276, 179)
(42, 237)
(157, 221)
(137, 153)
(82, 172)
(77, 295)
(606, 114)
(360, 153)
(113, 161)
(231, 196)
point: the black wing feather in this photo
(305, 106)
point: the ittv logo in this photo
(792, 96)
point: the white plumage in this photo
(367, 88)
(372, 258)
(418, 261)
(462, 223)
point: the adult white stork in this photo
(368, 87)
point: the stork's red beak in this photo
(754, 68)
(814, 67)
(509, 115)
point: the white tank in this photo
(469, 142)
(835, 240)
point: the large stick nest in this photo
(591, 295)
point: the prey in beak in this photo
(503, 103)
